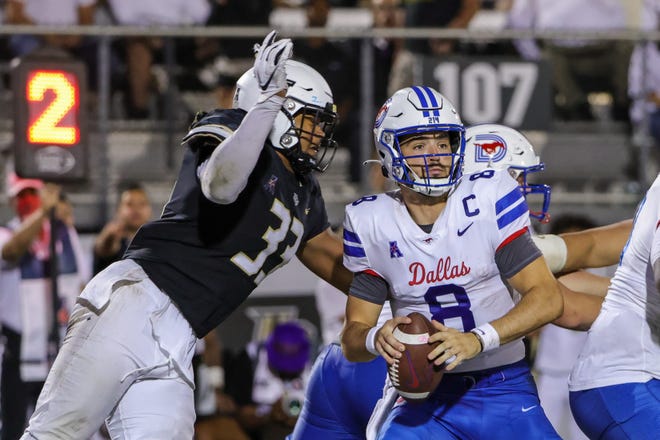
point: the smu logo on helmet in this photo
(380, 117)
(489, 147)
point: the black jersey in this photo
(208, 257)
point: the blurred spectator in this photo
(450, 14)
(386, 14)
(578, 67)
(335, 61)
(60, 13)
(215, 410)
(454, 14)
(232, 58)
(268, 380)
(387, 80)
(553, 365)
(26, 311)
(644, 80)
(142, 52)
(133, 210)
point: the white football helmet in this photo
(417, 110)
(308, 93)
(501, 147)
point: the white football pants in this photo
(126, 358)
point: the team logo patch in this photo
(395, 252)
(270, 185)
(489, 147)
(380, 117)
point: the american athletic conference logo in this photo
(489, 147)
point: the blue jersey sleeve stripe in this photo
(351, 237)
(422, 100)
(514, 195)
(354, 251)
(512, 215)
(434, 102)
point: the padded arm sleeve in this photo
(225, 174)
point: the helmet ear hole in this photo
(384, 171)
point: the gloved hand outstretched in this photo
(270, 57)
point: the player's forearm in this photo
(597, 247)
(580, 309)
(353, 342)
(586, 282)
(225, 174)
(542, 304)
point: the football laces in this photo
(394, 373)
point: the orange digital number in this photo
(52, 117)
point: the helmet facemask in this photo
(306, 124)
(308, 94)
(533, 189)
(405, 173)
(419, 111)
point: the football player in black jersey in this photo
(244, 203)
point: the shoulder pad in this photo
(215, 126)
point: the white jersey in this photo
(449, 274)
(623, 343)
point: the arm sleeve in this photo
(516, 254)
(225, 174)
(369, 287)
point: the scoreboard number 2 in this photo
(52, 121)
(50, 130)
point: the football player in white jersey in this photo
(497, 146)
(440, 245)
(615, 385)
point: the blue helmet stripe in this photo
(512, 215)
(353, 251)
(434, 102)
(422, 100)
(508, 200)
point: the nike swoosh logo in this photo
(460, 233)
(528, 409)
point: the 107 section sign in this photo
(494, 89)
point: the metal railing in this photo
(106, 34)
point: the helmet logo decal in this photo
(489, 147)
(426, 107)
(380, 117)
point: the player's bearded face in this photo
(431, 154)
(311, 133)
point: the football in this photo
(413, 375)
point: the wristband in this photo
(370, 342)
(488, 337)
(554, 250)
